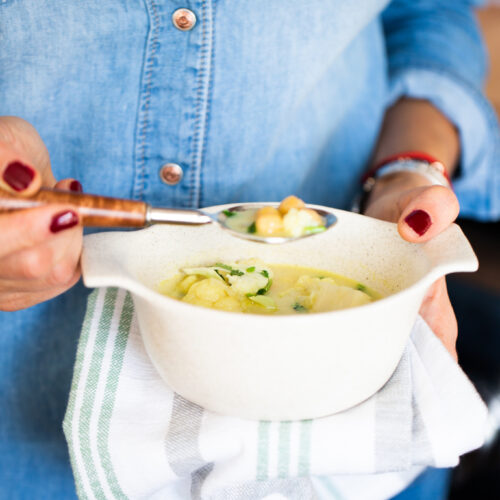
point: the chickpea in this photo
(290, 202)
(268, 221)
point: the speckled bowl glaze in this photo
(277, 367)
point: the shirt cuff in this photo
(477, 185)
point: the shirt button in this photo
(184, 19)
(171, 174)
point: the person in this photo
(212, 102)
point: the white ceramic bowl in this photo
(277, 367)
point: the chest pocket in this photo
(48, 22)
(73, 70)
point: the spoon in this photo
(102, 211)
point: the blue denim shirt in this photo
(259, 100)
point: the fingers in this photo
(438, 313)
(29, 228)
(17, 175)
(15, 301)
(39, 255)
(51, 263)
(425, 212)
(422, 212)
(70, 185)
(39, 248)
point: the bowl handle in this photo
(103, 260)
(449, 252)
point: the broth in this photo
(254, 287)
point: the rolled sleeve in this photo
(435, 53)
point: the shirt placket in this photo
(174, 102)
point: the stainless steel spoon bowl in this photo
(101, 211)
(189, 216)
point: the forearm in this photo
(414, 125)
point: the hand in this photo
(39, 248)
(422, 211)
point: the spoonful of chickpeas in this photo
(261, 222)
(290, 220)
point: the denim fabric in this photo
(436, 54)
(261, 99)
(432, 484)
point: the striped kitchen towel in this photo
(131, 437)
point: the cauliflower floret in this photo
(325, 295)
(248, 283)
(296, 221)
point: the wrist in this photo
(396, 182)
(398, 173)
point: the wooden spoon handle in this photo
(93, 210)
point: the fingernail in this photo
(18, 176)
(63, 220)
(76, 186)
(419, 221)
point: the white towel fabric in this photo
(131, 437)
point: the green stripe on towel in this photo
(110, 394)
(90, 390)
(284, 449)
(305, 447)
(263, 450)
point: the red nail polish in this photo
(419, 221)
(18, 176)
(76, 186)
(63, 220)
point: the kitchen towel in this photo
(131, 437)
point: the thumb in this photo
(24, 159)
(17, 175)
(425, 212)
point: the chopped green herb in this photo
(228, 213)
(207, 272)
(299, 307)
(264, 290)
(314, 229)
(223, 266)
(220, 275)
(236, 272)
(321, 277)
(250, 269)
(264, 273)
(360, 287)
(263, 301)
(252, 228)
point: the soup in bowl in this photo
(276, 366)
(252, 286)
